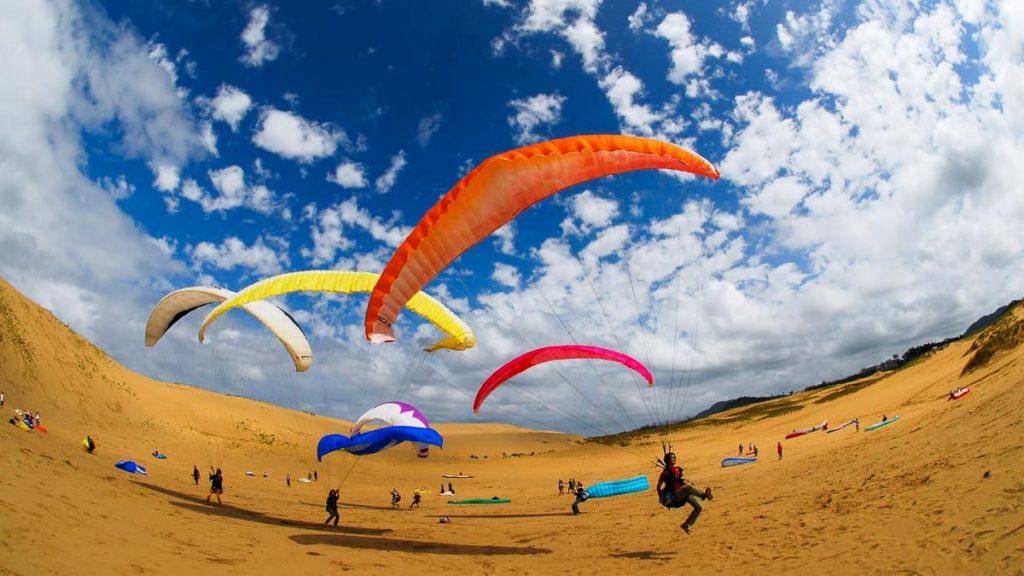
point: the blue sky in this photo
(867, 204)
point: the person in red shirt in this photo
(676, 492)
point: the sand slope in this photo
(909, 498)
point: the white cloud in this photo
(556, 59)
(741, 14)
(385, 181)
(532, 113)
(208, 138)
(574, 21)
(807, 36)
(505, 238)
(506, 275)
(258, 49)
(294, 137)
(167, 177)
(332, 232)
(427, 128)
(118, 188)
(232, 192)
(591, 212)
(622, 88)
(230, 105)
(233, 253)
(688, 52)
(639, 18)
(778, 198)
(349, 175)
(68, 70)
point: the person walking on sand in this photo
(561, 487)
(395, 497)
(778, 448)
(216, 485)
(856, 425)
(332, 507)
(1, 399)
(415, 500)
(195, 474)
(675, 492)
(741, 449)
(288, 480)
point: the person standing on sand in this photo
(216, 485)
(195, 474)
(741, 449)
(675, 492)
(581, 496)
(288, 480)
(856, 424)
(778, 448)
(561, 487)
(1, 399)
(332, 506)
(755, 450)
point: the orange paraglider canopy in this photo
(497, 191)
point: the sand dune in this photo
(939, 492)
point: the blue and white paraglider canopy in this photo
(132, 467)
(376, 440)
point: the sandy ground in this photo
(939, 492)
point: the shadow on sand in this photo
(367, 543)
(506, 516)
(199, 504)
(645, 555)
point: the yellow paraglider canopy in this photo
(459, 334)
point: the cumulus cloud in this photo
(427, 128)
(233, 253)
(589, 211)
(689, 53)
(349, 175)
(385, 181)
(118, 188)
(807, 36)
(505, 239)
(622, 89)
(230, 105)
(506, 275)
(639, 18)
(232, 192)
(333, 230)
(294, 137)
(573, 20)
(258, 48)
(532, 113)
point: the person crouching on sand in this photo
(675, 492)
